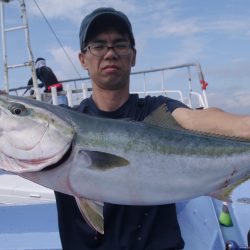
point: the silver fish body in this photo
(125, 162)
(116, 161)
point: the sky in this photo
(214, 33)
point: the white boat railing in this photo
(80, 88)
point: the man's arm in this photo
(213, 120)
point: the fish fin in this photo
(162, 117)
(222, 195)
(92, 212)
(104, 161)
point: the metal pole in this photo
(202, 80)
(27, 36)
(6, 78)
(54, 96)
(84, 90)
(69, 96)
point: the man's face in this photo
(110, 71)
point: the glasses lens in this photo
(122, 48)
(100, 49)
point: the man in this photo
(46, 76)
(108, 53)
(48, 80)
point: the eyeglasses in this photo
(100, 49)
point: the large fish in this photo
(117, 161)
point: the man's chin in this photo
(111, 85)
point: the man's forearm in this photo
(213, 120)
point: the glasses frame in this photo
(114, 47)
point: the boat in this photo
(23, 202)
(28, 211)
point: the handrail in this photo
(202, 99)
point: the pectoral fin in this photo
(103, 161)
(92, 211)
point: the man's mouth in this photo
(110, 68)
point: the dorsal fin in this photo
(162, 117)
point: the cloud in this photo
(63, 67)
(194, 26)
(168, 19)
(236, 102)
(75, 10)
(177, 28)
(229, 25)
(189, 50)
(236, 70)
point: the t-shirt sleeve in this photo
(173, 104)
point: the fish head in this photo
(31, 137)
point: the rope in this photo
(58, 40)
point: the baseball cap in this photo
(39, 59)
(40, 62)
(105, 15)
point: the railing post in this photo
(54, 96)
(69, 96)
(38, 94)
(84, 90)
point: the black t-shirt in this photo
(125, 227)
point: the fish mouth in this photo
(34, 165)
(64, 158)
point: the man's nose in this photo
(110, 53)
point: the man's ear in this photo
(82, 60)
(134, 58)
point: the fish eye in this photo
(17, 109)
